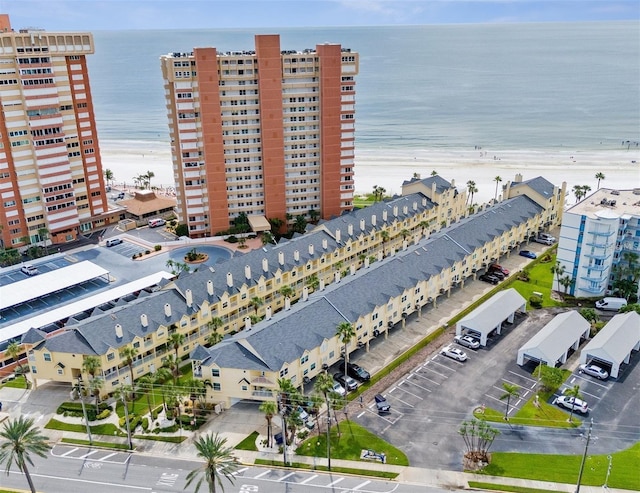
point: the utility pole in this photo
(84, 409)
(606, 481)
(328, 435)
(126, 418)
(584, 456)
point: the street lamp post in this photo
(126, 420)
(84, 409)
(584, 456)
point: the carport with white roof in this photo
(492, 313)
(553, 342)
(614, 343)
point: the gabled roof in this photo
(441, 184)
(616, 339)
(492, 312)
(555, 338)
(539, 184)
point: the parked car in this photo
(544, 241)
(611, 304)
(547, 236)
(594, 371)
(499, 268)
(346, 381)
(154, 223)
(306, 419)
(467, 341)
(338, 389)
(579, 406)
(497, 273)
(490, 278)
(357, 372)
(30, 270)
(382, 404)
(527, 253)
(454, 353)
(113, 241)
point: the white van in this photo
(154, 223)
(611, 304)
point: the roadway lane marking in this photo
(361, 485)
(287, 476)
(76, 480)
(310, 478)
(70, 452)
(262, 474)
(334, 483)
(360, 415)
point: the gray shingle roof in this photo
(539, 184)
(441, 184)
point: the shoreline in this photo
(390, 167)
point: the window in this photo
(215, 372)
(304, 359)
(47, 357)
(217, 387)
(111, 356)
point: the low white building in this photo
(612, 346)
(490, 316)
(551, 345)
(595, 235)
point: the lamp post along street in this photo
(584, 456)
(84, 410)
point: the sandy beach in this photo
(388, 168)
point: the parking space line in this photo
(405, 403)
(437, 372)
(102, 459)
(310, 478)
(425, 378)
(513, 383)
(590, 380)
(433, 360)
(522, 376)
(410, 393)
(451, 360)
(262, 474)
(334, 482)
(491, 397)
(565, 387)
(69, 452)
(240, 471)
(361, 485)
(419, 386)
(287, 476)
(87, 455)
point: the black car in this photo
(382, 404)
(490, 278)
(346, 381)
(357, 372)
(496, 273)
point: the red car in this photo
(499, 268)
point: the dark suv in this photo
(346, 381)
(357, 372)
(490, 278)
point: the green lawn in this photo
(479, 485)
(344, 470)
(20, 382)
(249, 443)
(354, 438)
(565, 468)
(105, 429)
(541, 280)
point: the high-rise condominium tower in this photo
(266, 132)
(51, 184)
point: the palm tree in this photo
(384, 236)
(160, 376)
(91, 364)
(300, 224)
(286, 291)
(256, 302)
(599, 177)
(566, 282)
(270, 409)
(196, 390)
(148, 176)
(43, 234)
(109, 176)
(126, 394)
(497, 179)
(176, 339)
(575, 393)
(13, 351)
(288, 392)
(267, 238)
(472, 189)
(128, 354)
(219, 463)
(434, 173)
(324, 385)
(145, 384)
(345, 333)
(22, 439)
(171, 363)
(95, 386)
(214, 338)
(511, 391)
(558, 270)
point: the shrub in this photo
(535, 301)
(145, 424)
(104, 414)
(157, 248)
(134, 256)
(232, 239)
(147, 252)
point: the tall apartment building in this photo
(598, 234)
(265, 132)
(51, 184)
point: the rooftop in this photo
(610, 202)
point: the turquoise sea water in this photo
(510, 86)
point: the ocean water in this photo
(502, 86)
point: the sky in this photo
(92, 15)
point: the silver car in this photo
(578, 405)
(594, 371)
(454, 353)
(467, 341)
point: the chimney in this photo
(338, 235)
(321, 286)
(267, 313)
(325, 245)
(384, 215)
(167, 309)
(229, 279)
(296, 255)
(247, 272)
(415, 206)
(189, 296)
(281, 258)
(353, 269)
(210, 287)
(366, 262)
(395, 211)
(265, 265)
(287, 303)
(119, 333)
(373, 219)
(424, 202)
(453, 183)
(247, 323)
(143, 320)
(311, 249)
(518, 178)
(362, 224)
(405, 210)
(350, 229)
(305, 293)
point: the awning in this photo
(259, 223)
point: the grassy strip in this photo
(105, 429)
(353, 439)
(249, 443)
(160, 438)
(343, 470)
(565, 468)
(507, 487)
(19, 382)
(75, 441)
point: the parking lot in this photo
(430, 402)
(127, 248)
